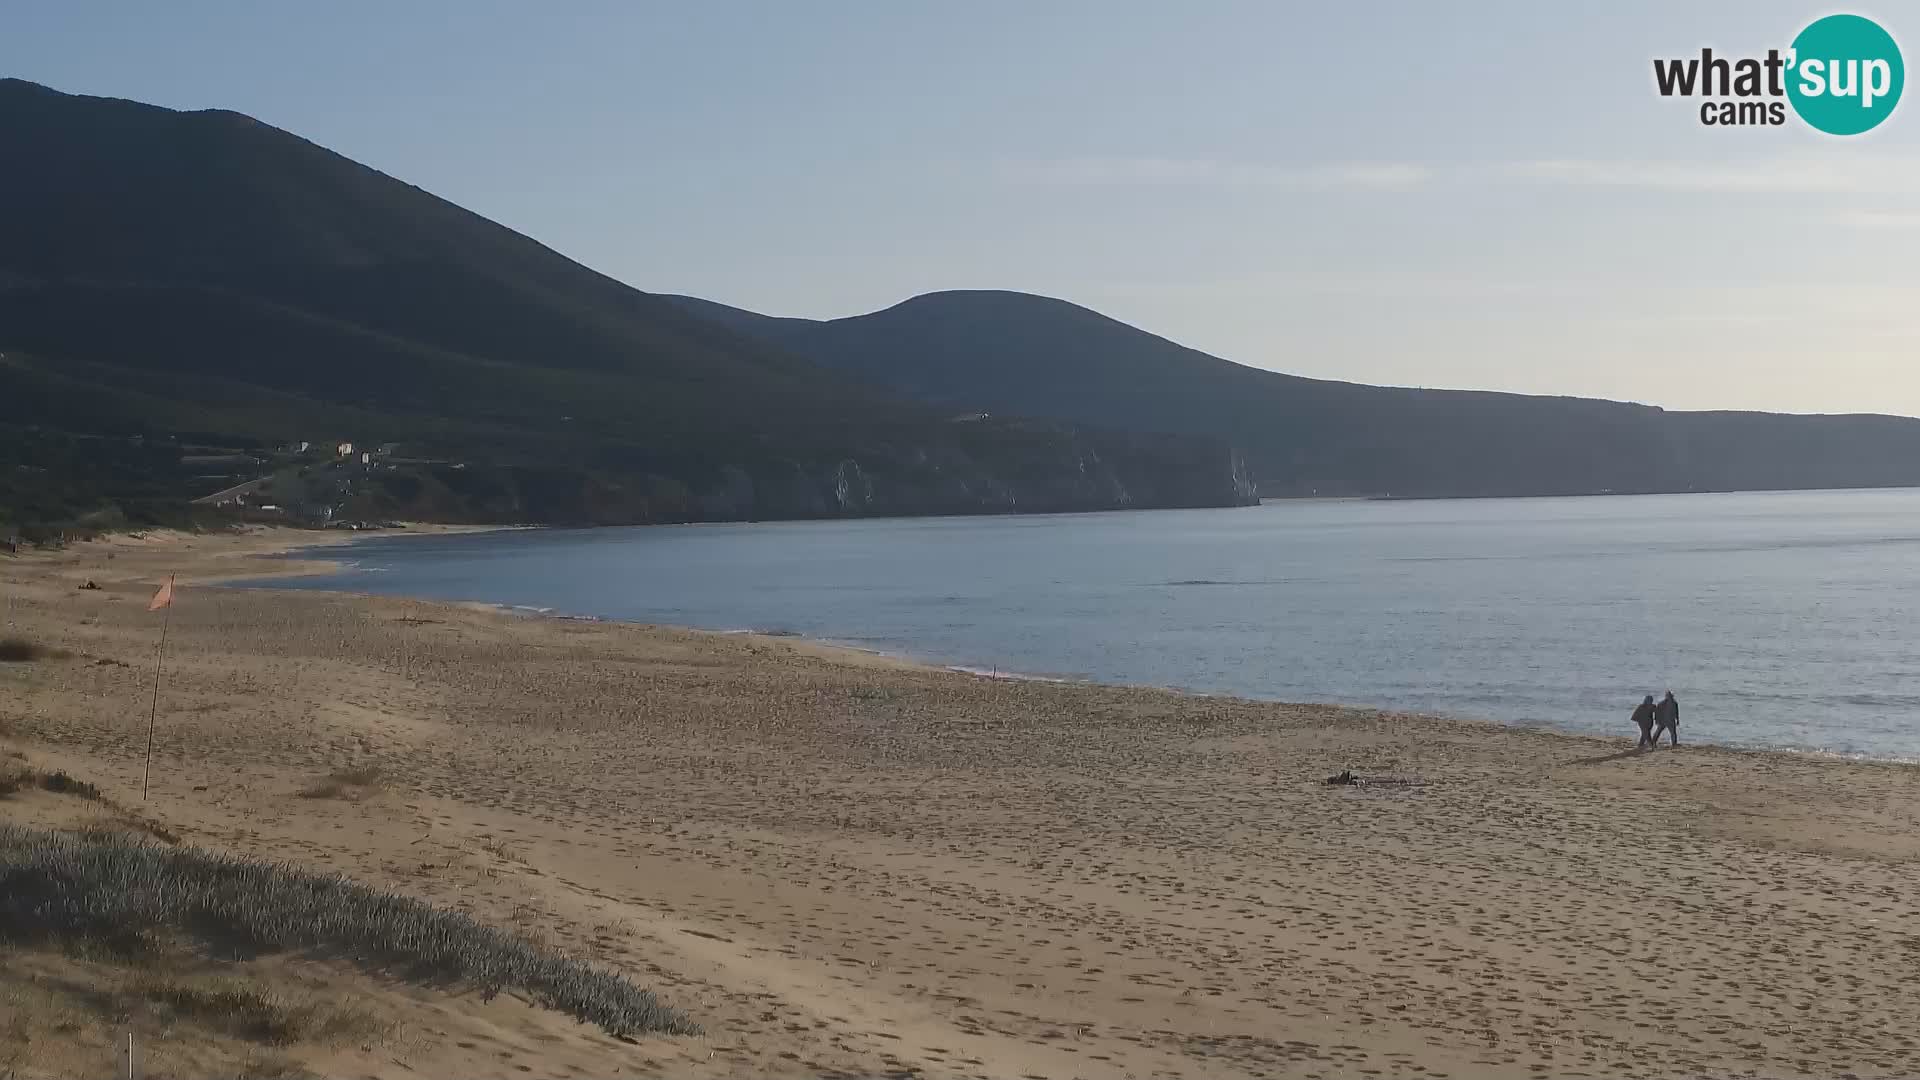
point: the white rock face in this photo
(851, 488)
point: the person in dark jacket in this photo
(1666, 717)
(1643, 717)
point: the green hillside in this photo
(1009, 352)
(202, 278)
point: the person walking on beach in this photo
(1666, 716)
(1643, 717)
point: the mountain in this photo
(204, 278)
(1014, 353)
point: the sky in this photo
(1479, 195)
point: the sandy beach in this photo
(846, 866)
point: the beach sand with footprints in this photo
(845, 866)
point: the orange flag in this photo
(163, 598)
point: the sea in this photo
(1779, 619)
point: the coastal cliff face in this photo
(1018, 354)
(1046, 469)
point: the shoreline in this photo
(295, 562)
(268, 553)
(843, 864)
(864, 653)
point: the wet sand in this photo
(844, 865)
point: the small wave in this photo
(1189, 582)
(1835, 755)
(1673, 547)
(1804, 542)
(1885, 701)
(1002, 673)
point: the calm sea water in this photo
(1779, 619)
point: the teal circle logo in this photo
(1845, 74)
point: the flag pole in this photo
(153, 711)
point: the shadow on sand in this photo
(1604, 758)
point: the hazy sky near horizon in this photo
(1480, 195)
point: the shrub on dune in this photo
(352, 784)
(18, 650)
(55, 886)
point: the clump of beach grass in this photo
(114, 819)
(168, 995)
(19, 650)
(236, 1007)
(61, 784)
(58, 887)
(116, 826)
(57, 782)
(352, 784)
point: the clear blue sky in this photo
(1486, 195)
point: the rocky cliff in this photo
(1023, 468)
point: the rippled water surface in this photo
(1779, 619)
